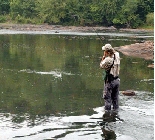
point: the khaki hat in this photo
(107, 47)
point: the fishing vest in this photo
(107, 76)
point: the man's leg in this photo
(107, 96)
(115, 94)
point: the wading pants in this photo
(110, 94)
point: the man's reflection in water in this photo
(107, 125)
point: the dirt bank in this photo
(44, 27)
(31, 27)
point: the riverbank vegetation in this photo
(117, 13)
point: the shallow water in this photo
(51, 88)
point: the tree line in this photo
(118, 13)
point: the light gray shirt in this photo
(108, 61)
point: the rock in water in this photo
(128, 93)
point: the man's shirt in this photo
(108, 62)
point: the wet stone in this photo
(128, 93)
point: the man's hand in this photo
(103, 57)
(105, 53)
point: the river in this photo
(51, 88)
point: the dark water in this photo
(51, 88)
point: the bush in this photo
(3, 19)
(150, 19)
(23, 20)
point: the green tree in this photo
(23, 8)
(126, 16)
(144, 7)
(4, 6)
(122, 13)
(150, 19)
(51, 11)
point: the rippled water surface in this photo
(51, 88)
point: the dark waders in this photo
(111, 90)
(110, 94)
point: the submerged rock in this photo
(128, 93)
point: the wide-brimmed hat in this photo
(107, 47)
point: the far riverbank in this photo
(43, 27)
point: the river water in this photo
(51, 88)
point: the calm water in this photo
(51, 88)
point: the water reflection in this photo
(49, 82)
(107, 129)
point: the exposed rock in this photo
(128, 93)
(142, 50)
(151, 66)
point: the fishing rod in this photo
(76, 17)
(98, 35)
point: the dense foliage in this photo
(119, 13)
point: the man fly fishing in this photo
(111, 64)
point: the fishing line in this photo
(76, 18)
(98, 35)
